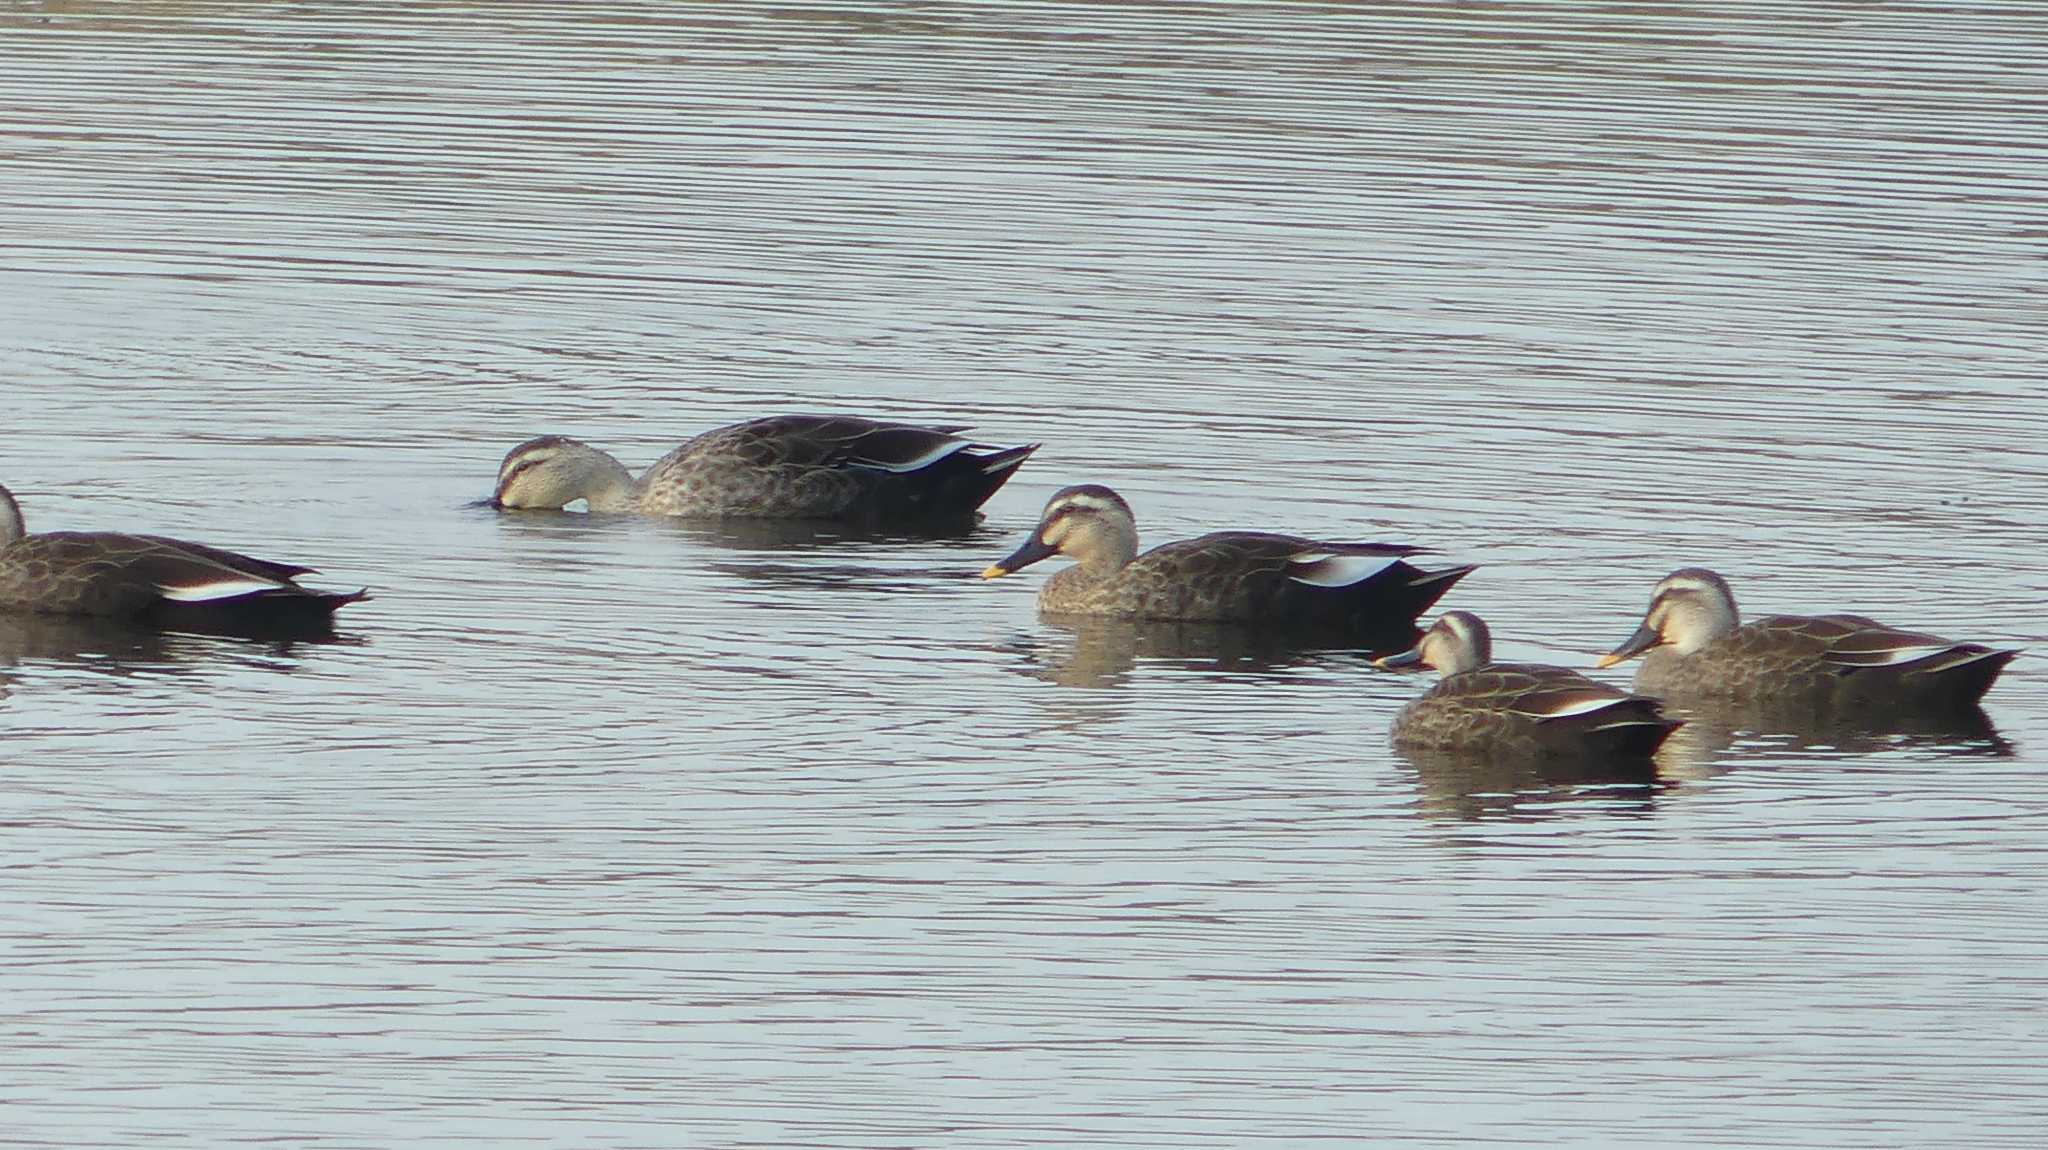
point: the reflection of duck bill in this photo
(1031, 552)
(1634, 645)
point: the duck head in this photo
(1089, 523)
(1457, 641)
(1689, 608)
(554, 471)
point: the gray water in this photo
(602, 833)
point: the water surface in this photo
(626, 833)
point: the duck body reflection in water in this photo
(1464, 785)
(1720, 735)
(1104, 652)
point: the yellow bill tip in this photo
(1609, 660)
(995, 571)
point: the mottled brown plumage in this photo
(1518, 709)
(156, 581)
(780, 467)
(1222, 577)
(1695, 647)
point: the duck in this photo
(1694, 644)
(1222, 577)
(838, 467)
(169, 584)
(1519, 709)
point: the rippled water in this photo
(620, 833)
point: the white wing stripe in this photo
(921, 462)
(1896, 655)
(221, 589)
(1580, 707)
(1321, 569)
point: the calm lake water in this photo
(600, 833)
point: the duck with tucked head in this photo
(157, 582)
(1223, 577)
(1694, 644)
(1479, 705)
(837, 467)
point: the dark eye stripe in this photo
(517, 468)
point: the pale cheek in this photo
(520, 494)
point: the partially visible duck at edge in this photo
(1517, 708)
(837, 467)
(170, 584)
(1694, 644)
(1223, 577)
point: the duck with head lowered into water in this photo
(837, 467)
(1695, 645)
(1343, 589)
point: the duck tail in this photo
(965, 480)
(279, 613)
(1637, 734)
(1965, 672)
(1426, 587)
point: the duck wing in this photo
(110, 573)
(1547, 694)
(1858, 642)
(1315, 562)
(837, 441)
(260, 568)
(194, 572)
(1355, 587)
(1236, 560)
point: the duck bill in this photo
(1644, 639)
(1403, 661)
(1033, 550)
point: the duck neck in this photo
(11, 527)
(1701, 621)
(607, 486)
(1105, 556)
